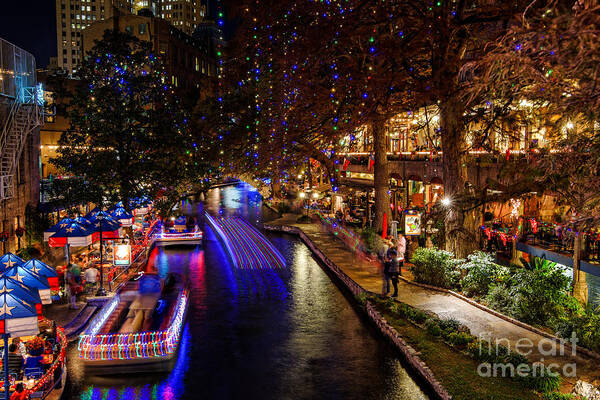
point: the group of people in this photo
(392, 256)
(20, 361)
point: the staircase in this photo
(25, 115)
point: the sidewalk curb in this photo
(409, 354)
(506, 318)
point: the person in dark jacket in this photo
(394, 270)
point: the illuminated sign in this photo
(412, 224)
(122, 254)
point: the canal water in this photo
(286, 334)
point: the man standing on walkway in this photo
(387, 264)
(394, 270)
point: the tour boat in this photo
(177, 235)
(139, 329)
(164, 239)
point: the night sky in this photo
(31, 25)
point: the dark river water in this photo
(285, 334)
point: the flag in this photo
(371, 162)
(346, 164)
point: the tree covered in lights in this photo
(128, 134)
(334, 66)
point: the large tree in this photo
(128, 135)
(342, 65)
(550, 57)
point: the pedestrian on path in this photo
(73, 284)
(385, 289)
(91, 279)
(394, 271)
(401, 246)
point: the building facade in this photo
(185, 15)
(74, 16)
(189, 63)
(20, 120)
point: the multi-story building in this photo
(189, 62)
(73, 16)
(182, 14)
(21, 102)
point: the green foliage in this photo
(561, 396)
(435, 267)
(35, 224)
(449, 324)
(500, 299)
(481, 273)
(432, 327)
(371, 240)
(543, 382)
(417, 316)
(539, 294)
(536, 263)
(361, 298)
(29, 252)
(586, 327)
(460, 339)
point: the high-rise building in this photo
(73, 16)
(184, 15)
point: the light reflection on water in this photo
(268, 334)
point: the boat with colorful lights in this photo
(138, 329)
(178, 232)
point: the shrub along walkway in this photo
(481, 323)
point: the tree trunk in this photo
(459, 226)
(382, 176)
(580, 288)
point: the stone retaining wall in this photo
(409, 355)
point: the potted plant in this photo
(35, 346)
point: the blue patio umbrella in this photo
(9, 260)
(52, 230)
(105, 216)
(26, 277)
(91, 214)
(121, 213)
(40, 268)
(16, 288)
(18, 317)
(74, 234)
(83, 221)
(106, 225)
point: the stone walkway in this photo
(368, 274)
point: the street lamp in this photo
(101, 291)
(446, 201)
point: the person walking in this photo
(91, 279)
(387, 264)
(73, 284)
(394, 271)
